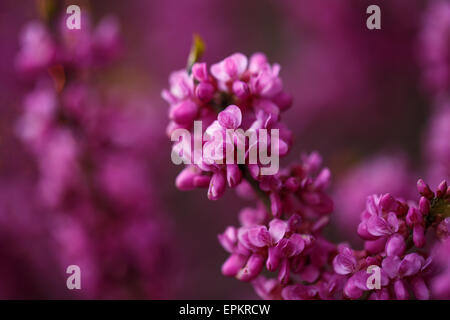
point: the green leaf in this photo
(197, 49)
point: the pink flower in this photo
(395, 246)
(388, 225)
(234, 95)
(184, 112)
(230, 118)
(217, 186)
(37, 49)
(181, 87)
(440, 282)
(378, 226)
(267, 83)
(345, 262)
(231, 68)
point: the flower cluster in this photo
(283, 234)
(289, 243)
(394, 232)
(435, 53)
(236, 93)
(62, 107)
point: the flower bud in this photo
(234, 175)
(275, 204)
(442, 189)
(201, 181)
(233, 264)
(424, 189)
(424, 206)
(200, 71)
(184, 112)
(231, 117)
(241, 89)
(216, 186)
(400, 290)
(204, 91)
(420, 289)
(185, 179)
(419, 235)
(252, 269)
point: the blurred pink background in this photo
(360, 99)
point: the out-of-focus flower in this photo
(80, 48)
(440, 283)
(434, 48)
(29, 267)
(237, 94)
(436, 145)
(289, 243)
(37, 48)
